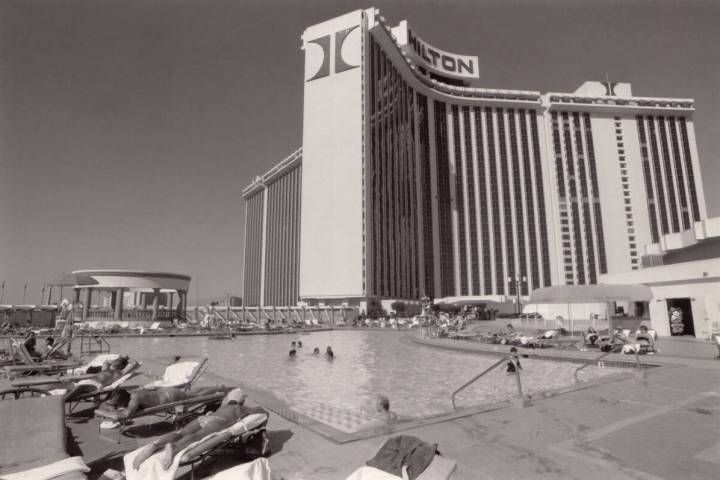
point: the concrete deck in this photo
(666, 426)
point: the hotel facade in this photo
(411, 181)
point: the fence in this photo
(274, 316)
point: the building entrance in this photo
(680, 315)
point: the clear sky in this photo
(128, 128)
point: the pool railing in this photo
(503, 360)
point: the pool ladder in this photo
(506, 358)
(598, 361)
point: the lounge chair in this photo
(98, 361)
(32, 442)
(180, 374)
(31, 366)
(246, 431)
(172, 411)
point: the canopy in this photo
(591, 294)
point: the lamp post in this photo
(517, 279)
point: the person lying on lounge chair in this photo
(111, 372)
(126, 404)
(232, 409)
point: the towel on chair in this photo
(151, 469)
(47, 472)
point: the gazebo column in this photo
(156, 303)
(170, 298)
(182, 304)
(118, 303)
(143, 300)
(183, 312)
(86, 305)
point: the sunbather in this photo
(591, 336)
(111, 372)
(126, 404)
(232, 409)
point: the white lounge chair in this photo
(180, 374)
(98, 361)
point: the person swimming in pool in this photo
(329, 353)
(382, 406)
(292, 354)
(513, 361)
(231, 410)
(126, 404)
(299, 343)
(316, 351)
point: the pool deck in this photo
(663, 425)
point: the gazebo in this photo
(152, 299)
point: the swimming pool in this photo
(341, 393)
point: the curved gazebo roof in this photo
(138, 280)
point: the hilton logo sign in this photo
(325, 42)
(444, 63)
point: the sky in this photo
(128, 128)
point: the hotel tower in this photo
(413, 181)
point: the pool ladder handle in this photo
(505, 358)
(598, 361)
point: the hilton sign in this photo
(441, 62)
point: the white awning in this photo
(592, 294)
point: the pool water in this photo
(341, 393)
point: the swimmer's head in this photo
(292, 343)
(292, 352)
(120, 398)
(234, 397)
(316, 350)
(382, 403)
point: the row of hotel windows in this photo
(503, 234)
(508, 189)
(627, 202)
(668, 173)
(581, 229)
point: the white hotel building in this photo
(413, 181)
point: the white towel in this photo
(372, 473)
(151, 469)
(47, 472)
(258, 469)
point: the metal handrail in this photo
(487, 370)
(638, 364)
(597, 360)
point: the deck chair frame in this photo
(235, 442)
(101, 395)
(31, 366)
(173, 411)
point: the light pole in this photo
(517, 279)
